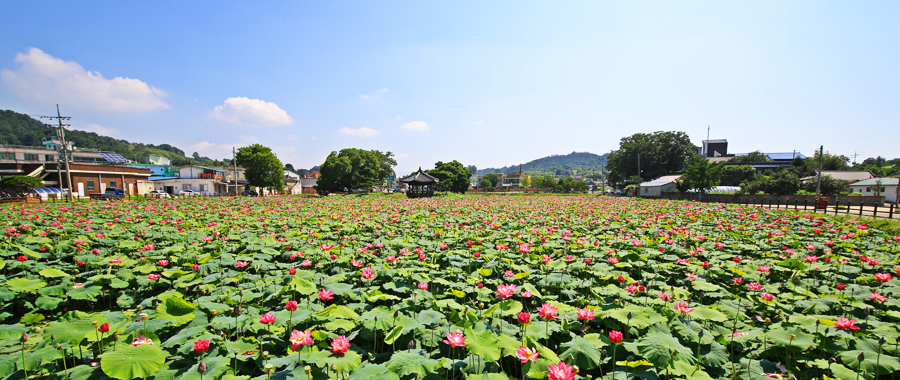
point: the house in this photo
(234, 177)
(308, 185)
(313, 174)
(513, 181)
(843, 175)
(292, 183)
(201, 179)
(888, 188)
(656, 187)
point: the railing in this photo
(872, 210)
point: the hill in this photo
(575, 163)
(23, 130)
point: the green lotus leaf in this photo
(373, 372)
(175, 309)
(20, 285)
(411, 363)
(129, 362)
(482, 343)
(73, 326)
(659, 348)
(52, 272)
(582, 353)
(345, 362)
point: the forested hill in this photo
(21, 129)
(575, 163)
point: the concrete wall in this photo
(855, 200)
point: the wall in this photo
(855, 200)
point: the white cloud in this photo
(218, 151)
(314, 138)
(419, 126)
(479, 122)
(291, 138)
(402, 156)
(99, 129)
(250, 112)
(360, 132)
(374, 94)
(48, 79)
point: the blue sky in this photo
(486, 83)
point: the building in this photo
(843, 175)
(514, 180)
(656, 187)
(313, 174)
(201, 179)
(229, 173)
(90, 178)
(888, 188)
(715, 148)
(308, 185)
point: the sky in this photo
(488, 84)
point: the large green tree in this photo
(453, 176)
(261, 167)
(660, 153)
(702, 175)
(353, 168)
(493, 177)
(20, 182)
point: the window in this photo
(49, 158)
(89, 185)
(31, 157)
(3, 156)
(187, 186)
(204, 187)
(112, 184)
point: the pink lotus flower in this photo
(456, 339)
(763, 268)
(691, 276)
(525, 294)
(615, 336)
(326, 295)
(423, 285)
(509, 273)
(141, 339)
(882, 277)
(356, 263)
(737, 281)
(266, 318)
(767, 296)
(299, 338)
(754, 286)
(524, 318)
(367, 273)
(665, 297)
(527, 355)
(811, 258)
(506, 291)
(844, 324)
(340, 345)
(612, 260)
(163, 263)
(560, 371)
(736, 334)
(291, 305)
(201, 345)
(241, 264)
(153, 276)
(682, 307)
(305, 263)
(292, 271)
(632, 289)
(585, 314)
(547, 311)
(877, 297)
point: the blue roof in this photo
(161, 178)
(49, 190)
(113, 157)
(785, 156)
(655, 183)
(871, 182)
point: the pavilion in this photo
(421, 185)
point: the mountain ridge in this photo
(568, 164)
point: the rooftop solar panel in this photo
(113, 157)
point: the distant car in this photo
(158, 194)
(188, 193)
(250, 193)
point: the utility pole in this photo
(639, 167)
(234, 165)
(62, 137)
(819, 174)
(707, 141)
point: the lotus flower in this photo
(367, 273)
(506, 291)
(267, 318)
(201, 345)
(340, 344)
(585, 314)
(299, 338)
(326, 295)
(844, 324)
(560, 371)
(456, 339)
(526, 354)
(547, 311)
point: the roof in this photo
(197, 166)
(884, 182)
(161, 178)
(664, 180)
(419, 177)
(49, 190)
(719, 141)
(785, 156)
(849, 175)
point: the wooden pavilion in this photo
(421, 185)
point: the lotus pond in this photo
(485, 287)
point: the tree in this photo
(755, 156)
(195, 156)
(702, 175)
(660, 153)
(353, 168)
(485, 184)
(20, 183)
(784, 182)
(493, 177)
(453, 176)
(829, 185)
(733, 175)
(472, 169)
(261, 167)
(544, 182)
(288, 166)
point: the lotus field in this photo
(477, 287)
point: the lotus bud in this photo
(52, 337)
(827, 329)
(881, 340)
(629, 315)
(861, 357)
(202, 367)
(396, 313)
(700, 334)
(818, 322)
(238, 308)
(24, 338)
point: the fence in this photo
(847, 205)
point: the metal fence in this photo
(874, 210)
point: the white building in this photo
(888, 188)
(201, 179)
(656, 187)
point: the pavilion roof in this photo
(419, 177)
